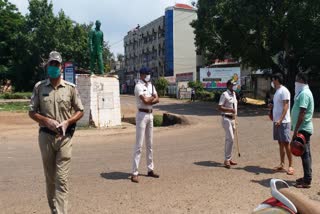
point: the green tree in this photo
(161, 85)
(25, 42)
(283, 35)
(197, 85)
(108, 57)
(11, 24)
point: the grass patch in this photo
(17, 95)
(15, 106)
(157, 120)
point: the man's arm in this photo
(102, 41)
(155, 99)
(75, 117)
(284, 112)
(147, 100)
(301, 116)
(44, 121)
(226, 110)
(303, 204)
(222, 108)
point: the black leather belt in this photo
(228, 116)
(145, 110)
(70, 130)
(48, 131)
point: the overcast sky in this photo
(117, 16)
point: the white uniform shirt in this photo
(281, 95)
(144, 89)
(228, 99)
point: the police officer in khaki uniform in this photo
(228, 107)
(56, 106)
(146, 96)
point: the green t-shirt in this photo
(303, 100)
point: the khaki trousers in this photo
(144, 131)
(229, 127)
(56, 158)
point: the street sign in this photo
(69, 72)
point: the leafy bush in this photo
(17, 95)
(197, 85)
(205, 95)
(161, 85)
(157, 120)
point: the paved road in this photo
(188, 158)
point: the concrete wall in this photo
(101, 100)
(263, 86)
(185, 58)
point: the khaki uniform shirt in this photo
(228, 99)
(58, 104)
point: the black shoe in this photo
(299, 180)
(152, 174)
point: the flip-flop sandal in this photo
(290, 171)
(278, 168)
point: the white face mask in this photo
(148, 77)
(298, 88)
(234, 87)
(272, 84)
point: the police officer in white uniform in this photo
(146, 96)
(228, 107)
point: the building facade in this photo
(165, 45)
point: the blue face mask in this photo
(53, 72)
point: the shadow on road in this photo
(209, 164)
(211, 109)
(115, 175)
(266, 182)
(252, 169)
(256, 170)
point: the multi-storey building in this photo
(145, 47)
(166, 45)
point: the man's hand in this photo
(233, 111)
(270, 106)
(278, 123)
(64, 125)
(51, 124)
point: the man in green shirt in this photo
(301, 116)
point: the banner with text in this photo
(216, 78)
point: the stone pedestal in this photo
(100, 97)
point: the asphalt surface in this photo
(188, 158)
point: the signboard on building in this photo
(216, 78)
(171, 79)
(69, 72)
(184, 77)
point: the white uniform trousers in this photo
(144, 130)
(229, 127)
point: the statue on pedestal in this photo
(96, 49)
